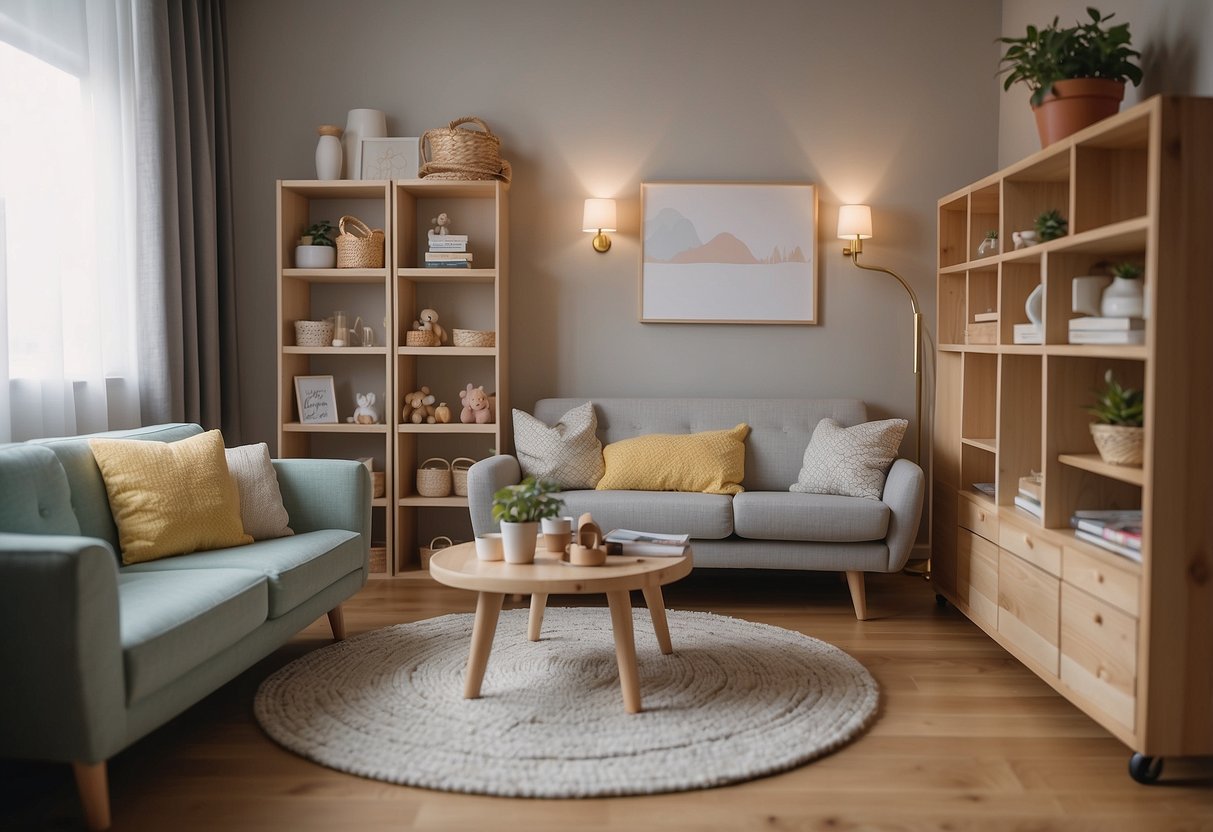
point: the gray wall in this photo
(1172, 36)
(876, 101)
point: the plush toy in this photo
(475, 406)
(365, 413)
(418, 407)
(442, 414)
(429, 323)
(440, 223)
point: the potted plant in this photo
(316, 249)
(1118, 432)
(989, 245)
(1076, 73)
(1125, 297)
(519, 508)
(1050, 225)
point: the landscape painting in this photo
(728, 253)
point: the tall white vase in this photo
(361, 124)
(328, 152)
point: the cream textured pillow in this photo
(710, 462)
(261, 511)
(851, 462)
(568, 453)
(170, 498)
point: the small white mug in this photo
(489, 547)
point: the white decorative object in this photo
(315, 257)
(1123, 299)
(1086, 292)
(360, 124)
(328, 152)
(1034, 304)
(1023, 239)
(488, 546)
(389, 158)
(365, 413)
(519, 540)
(988, 247)
(441, 225)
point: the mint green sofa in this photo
(96, 654)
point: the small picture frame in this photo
(391, 158)
(316, 398)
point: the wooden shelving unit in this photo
(1129, 643)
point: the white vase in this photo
(328, 152)
(360, 124)
(315, 257)
(1032, 308)
(518, 541)
(1123, 299)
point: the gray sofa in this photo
(765, 527)
(96, 654)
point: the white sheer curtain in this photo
(67, 234)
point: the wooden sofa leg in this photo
(337, 623)
(858, 598)
(93, 786)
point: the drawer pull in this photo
(1102, 673)
(1098, 577)
(981, 516)
(1098, 619)
(1027, 541)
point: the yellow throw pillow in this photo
(712, 462)
(170, 498)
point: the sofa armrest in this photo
(327, 494)
(903, 494)
(485, 478)
(63, 696)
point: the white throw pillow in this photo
(567, 453)
(261, 509)
(851, 462)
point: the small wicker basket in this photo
(436, 545)
(313, 333)
(1119, 444)
(421, 338)
(459, 473)
(378, 484)
(434, 481)
(460, 153)
(359, 247)
(474, 338)
(378, 562)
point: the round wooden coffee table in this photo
(458, 566)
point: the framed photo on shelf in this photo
(393, 158)
(316, 398)
(728, 252)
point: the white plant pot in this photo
(518, 540)
(1123, 299)
(315, 257)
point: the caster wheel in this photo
(1145, 769)
(940, 601)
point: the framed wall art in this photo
(316, 399)
(728, 253)
(394, 158)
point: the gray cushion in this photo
(669, 512)
(567, 453)
(826, 518)
(173, 620)
(780, 429)
(297, 567)
(34, 495)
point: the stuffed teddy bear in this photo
(365, 413)
(429, 323)
(475, 406)
(440, 224)
(418, 407)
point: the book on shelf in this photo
(986, 488)
(1093, 322)
(1026, 334)
(447, 239)
(439, 256)
(647, 544)
(1029, 505)
(1120, 527)
(447, 264)
(1096, 540)
(985, 317)
(1107, 336)
(1030, 486)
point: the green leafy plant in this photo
(319, 234)
(1116, 405)
(1129, 271)
(992, 234)
(1050, 225)
(527, 502)
(1056, 53)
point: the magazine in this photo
(646, 544)
(1131, 554)
(1122, 527)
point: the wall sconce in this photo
(599, 217)
(854, 224)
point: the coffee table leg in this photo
(539, 600)
(488, 607)
(625, 649)
(652, 597)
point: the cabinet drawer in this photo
(1031, 545)
(977, 576)
(1028, 602)
(979, 518)
(1116, 586)
(1099, 653)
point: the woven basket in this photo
(421, 338)
(1119, 444)
(378, 562)
(434, 481)
(436, 545)
(313, 333)
(474, 338)
(459, 473)
(459, 153)
(360, 247)
(378, 484)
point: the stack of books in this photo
(646, 544)
(448, 251)
(1116, 530)
(1028, 497)
(1026, 334)
(1095, 330)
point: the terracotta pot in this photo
(1075, 104)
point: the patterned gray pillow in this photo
(567, 453)
(851, 462)
(261, 509)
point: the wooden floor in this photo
(966, 740)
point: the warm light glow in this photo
(854, 221)
(599, 215)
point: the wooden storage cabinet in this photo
(1128, 642)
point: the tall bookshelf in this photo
(1129, 643)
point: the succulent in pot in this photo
(1118, 430)
(316, 249)
(519, 508)
(1125, 298)
(1050, 225)
(989, 245)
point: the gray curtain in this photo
(186, 284)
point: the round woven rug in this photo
(736, 700)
